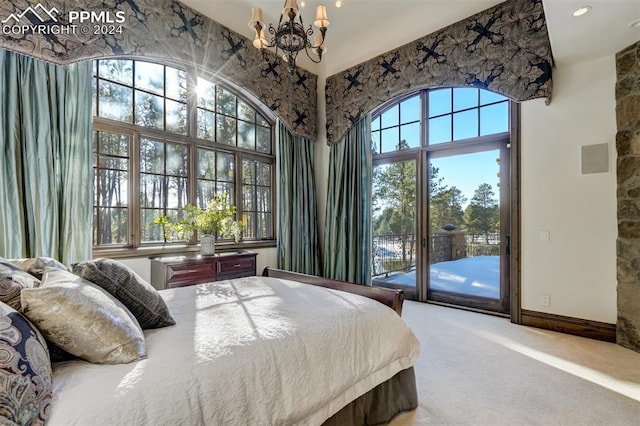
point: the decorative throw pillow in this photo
(25, 371)
(35, 265)
(142, 299)
(83, 319)
(12, 281)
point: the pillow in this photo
(83, 319)
(12, 281)
(25, 371)
(35, 265)
(142, 299)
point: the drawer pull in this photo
(185, 271)
(237, 265)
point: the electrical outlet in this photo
(546, 300)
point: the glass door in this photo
(467, 244)
(394, 250)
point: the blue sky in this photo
(468, 171)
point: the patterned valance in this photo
(504, 49)
(52, 31)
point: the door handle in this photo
(508, 247)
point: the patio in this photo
(473, 276)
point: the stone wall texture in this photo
(628, 172)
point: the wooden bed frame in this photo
(390, 297)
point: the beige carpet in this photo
(477, 369)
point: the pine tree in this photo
(482, 215)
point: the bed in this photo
(280, 349)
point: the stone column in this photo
(628, 173)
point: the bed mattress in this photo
(254, 350)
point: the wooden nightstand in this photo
(189, 269)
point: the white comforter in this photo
(251, 351)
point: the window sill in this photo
(165, 249)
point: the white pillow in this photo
(83, 319)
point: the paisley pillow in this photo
(25, 371)
(12, 281)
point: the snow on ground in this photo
(475, 276)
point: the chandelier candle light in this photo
(291, 37)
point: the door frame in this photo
(514, 185)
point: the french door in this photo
(442, 197)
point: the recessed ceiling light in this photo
(338, 3)
(581, 11)
(635, 24)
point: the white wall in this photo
(577, 266)
(142, 265)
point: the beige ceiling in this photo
(362, 29)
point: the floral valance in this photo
(66, 31)
(504, 49)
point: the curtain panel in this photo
(46, 165)
(347, 239)
(297, 224)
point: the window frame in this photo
(137, 248)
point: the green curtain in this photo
(297, 224)
(347, 238)
(46, 165)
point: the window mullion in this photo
(239, 178)
(478, 107)
(165, 178)
(134, 190)
(192, 132)
(424, 118)
(192, 178)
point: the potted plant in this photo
(217, 218)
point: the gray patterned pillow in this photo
(83, 319)
(12, 281)
(35, 265)
(25, 371)
(142, 299)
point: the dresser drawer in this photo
(188, 273)
(236, 268)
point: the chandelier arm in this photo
(310, 56)
(309, 33)
(272, 31)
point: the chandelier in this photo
(290, 37)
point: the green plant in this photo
(216, 218)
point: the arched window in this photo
(438, 116)
(165, 137)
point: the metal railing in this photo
(392, 253)
(397, 252)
